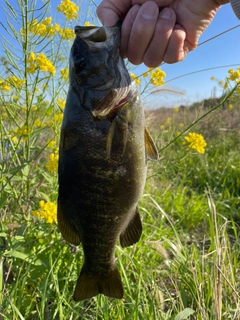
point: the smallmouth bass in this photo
(103, 154)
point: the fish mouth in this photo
(99, 69)
(95, 37)
(96, 57)
(91, 33)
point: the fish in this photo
(103, 152)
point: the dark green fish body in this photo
(102, 159)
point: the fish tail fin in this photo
(90, 284)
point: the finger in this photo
(108, 13)
(127, 27)
(142, 31)
(177, 48)
(159, 42)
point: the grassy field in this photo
(187, 263)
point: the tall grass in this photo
(186, 265)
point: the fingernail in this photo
(149, 11)
(166, 13)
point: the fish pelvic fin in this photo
(89, 284)
(151, 149)
(133, 231)
(67, 231)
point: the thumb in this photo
(107, 16)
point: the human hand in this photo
(158, 30)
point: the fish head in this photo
(97, 69)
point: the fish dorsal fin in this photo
(133, 231)
(151, 150)
(67, 231)
(90, 284)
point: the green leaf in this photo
(3, 234)
(184, 314)
(3, 200)
(23, 256)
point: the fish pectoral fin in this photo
(117, 137)
(133, 231)
(90, 284)
(67, 231)
(151, 149)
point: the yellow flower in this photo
(44, 64)
(69, 9)
(37, 123)
(162, 126)
(15, 82)
(61, 103)
(234, 75)
(15, 98)
(32, 66)
(47, 21)
(4, 86)
(181, 125)
(176, 109)
(52, 165)
(44, 29)
(66, 33)
(168, 121)
(47, 211)
(157, 77)
(42, 61)
(34, 108)
(59, 117)
(64, 73)
(145, 74)
(196, 141)
(14, 139)
(221, 83)
(23, 131)
(88, 24)
(230, 106)
(57, 27)
(212, 78)
(225, 86)
(52, 144)
(137, 80)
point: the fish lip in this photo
(97, 35)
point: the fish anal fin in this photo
(67, 231)
(150, 147)
(90, 284)
(117, 137)
(133, 231)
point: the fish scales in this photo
(103, 152)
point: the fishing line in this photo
(218, 35)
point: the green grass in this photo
(187, 263)
(188, 255)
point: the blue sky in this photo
(224, 50)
